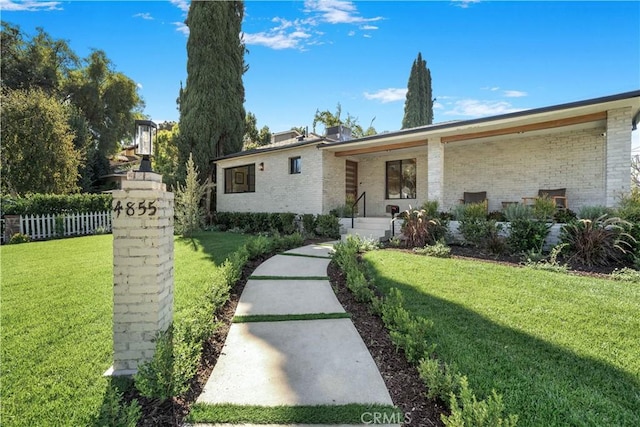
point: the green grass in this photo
(322, 414)
(56, 322)
(305, 255)
(289, 277)
(562, 349)
(286, 317)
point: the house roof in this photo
(286, 144)
(582, 113)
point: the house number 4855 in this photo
(135, 209)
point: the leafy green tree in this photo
(37, 144)
(108, 99)
(188, 207)
(252, 137)
(418, 107)
(212, 115)
(37, 62)
(165, 158)
(329, 119)
(103, 102)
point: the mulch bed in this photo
(406, 388)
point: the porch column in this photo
(435, 171)
(618, 154)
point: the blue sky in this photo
(486, 58)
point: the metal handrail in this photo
(364, 207)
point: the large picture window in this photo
(241, 179)
(401, 179)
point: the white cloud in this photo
(183, 5)
(181, 27)
(464, 4)
(438, 106)
(478, 108)
(286, 35)
(351, 33)
(366, 36)
(139, 85)
(514, 93)
(387, 95)
(337, 11)
(28, 5)
(276, 40)
(145, 15)
(368, 27)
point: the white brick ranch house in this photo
(583, 147)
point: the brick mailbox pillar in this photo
(142, 268)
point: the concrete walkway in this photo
(294, 362)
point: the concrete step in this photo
(370, 221)
(366, 233)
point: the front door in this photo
(351, 180)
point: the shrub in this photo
(189, 211)
(496, 216)
(597, 242)
(407, 332)
(544, 208)
(438, 250)
(537, 261)
(564, 216)
(328, 226)
(309, 224)
(421, 228)
(626, 274)
(629, 210)
(518, 211)
(431, 208)
(527, 234)
(594, 212)
(113, 413)
(476, 228)
(288, 223)
(19, 238)
(466, 410)
(55, 204)
(155, 378)
(441, 379)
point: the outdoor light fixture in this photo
(261, 166)
(145, 132)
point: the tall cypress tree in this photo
(418, 107)
(211, 105)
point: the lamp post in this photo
(145, 132)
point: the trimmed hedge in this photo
(44, 204)
(283, 223)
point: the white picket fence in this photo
(40, 227)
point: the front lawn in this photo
(561, 349)
(56, 321)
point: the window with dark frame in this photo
(240, 179)
(401, 179)
(295, 165)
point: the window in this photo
(401, 179)
(295, 165)
(241, 179)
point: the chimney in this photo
(339, 133)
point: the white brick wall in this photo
(276, 189)
(618, 154)
(372, 175)
(142, 269)
(517, 167)
(508, 169)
